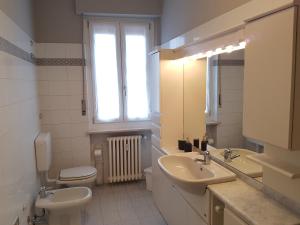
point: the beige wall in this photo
(180, 16)
(20, 11)
(56, 21)
(137, 7)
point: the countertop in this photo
(253, 206)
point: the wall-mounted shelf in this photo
(286, 169)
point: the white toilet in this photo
(76, 176)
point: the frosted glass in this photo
(106, 77)
(136, 73)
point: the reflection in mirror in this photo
(224, 113)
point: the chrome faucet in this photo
(227, 155)
(44, 192)
(206, 159)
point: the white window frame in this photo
(122, 124)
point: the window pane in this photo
(106, 73)
(136, 71)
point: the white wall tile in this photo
(62, 144)
(75, 87)
(58, 73)
(55, 50)
(74, 50)
(60, 89)
(75, 102)
(74, 73)
(76, 117)
(19, 125)
(44, 87)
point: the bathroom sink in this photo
(64, 198)
(241, 163)
(184, 171)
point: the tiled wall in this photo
(60, 95)
(19, 125)
(229, 131)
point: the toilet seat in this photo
(77, 175)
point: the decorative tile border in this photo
(228, 62)
(12, 49)
(59, 62)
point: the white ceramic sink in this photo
(184, 171)
(241, 163)
(64, 198)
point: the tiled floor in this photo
(123, 204)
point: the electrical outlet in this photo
(17, 221)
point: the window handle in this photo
(125, 90)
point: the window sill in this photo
(119, 127)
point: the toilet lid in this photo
(77, 173)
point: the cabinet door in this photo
(159, 185)
(231, 219)
(268, 81)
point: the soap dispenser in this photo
(188, 146)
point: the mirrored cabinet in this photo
(272, 80)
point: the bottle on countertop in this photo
(204, 143)
(181, 144)
(188, 146)
(196, 143)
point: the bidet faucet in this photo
(206, 156)
(42, 192)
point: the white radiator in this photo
(124, 158)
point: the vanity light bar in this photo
(227, 49)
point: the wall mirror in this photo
(224, 114)
(194, 91)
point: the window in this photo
(119, 60)
(212, 92)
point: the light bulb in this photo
(218, 51)
(229, 49)
(209, 53)
(243, 44)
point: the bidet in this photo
(65, 206)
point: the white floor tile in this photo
(123, 204)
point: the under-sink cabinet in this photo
(176, 205)
(272, 79)
(231, 219)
